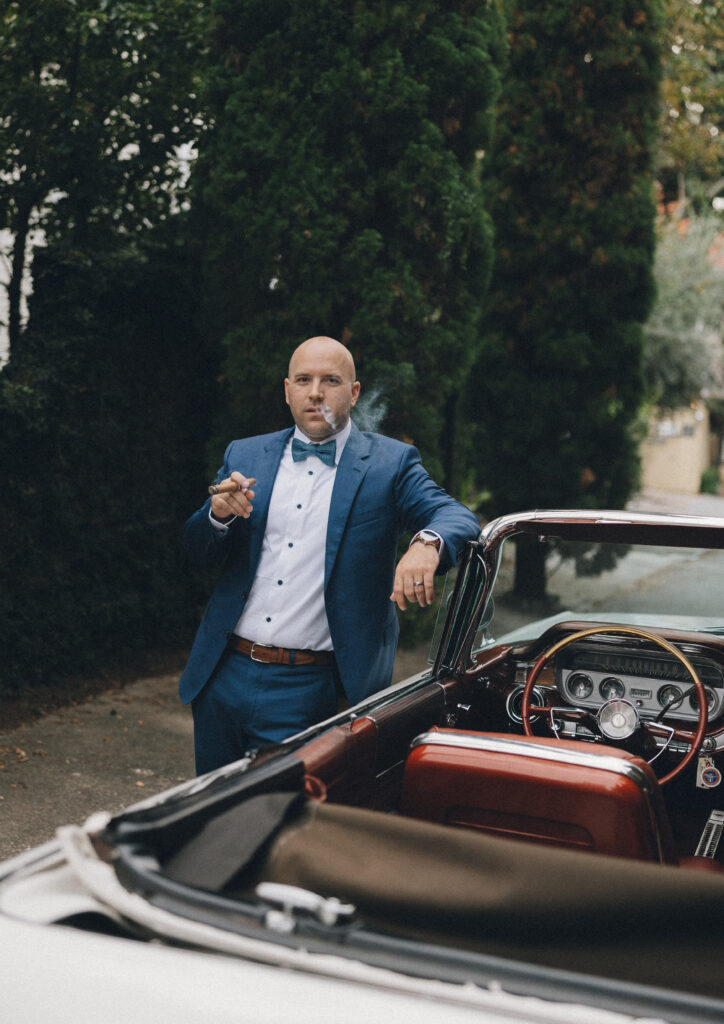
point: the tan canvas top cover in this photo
(583, 912)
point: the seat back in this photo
(578, 795)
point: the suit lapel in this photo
(266, 476)
(353, 465)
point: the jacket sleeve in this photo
(206, 546)
(424, 505)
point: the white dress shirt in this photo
(285, 607)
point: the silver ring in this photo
(418, 583)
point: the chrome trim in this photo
(625, 706)
(517, 691)
(505, 526)
(666, 743)
(711, 835)
(458, 658)
(539, 751)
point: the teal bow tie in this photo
(326, 452)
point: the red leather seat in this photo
(578, 795)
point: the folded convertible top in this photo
(646, 923)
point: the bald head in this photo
(321, 387)
(325, 348)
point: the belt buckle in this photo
(260, 660)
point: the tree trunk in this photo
(530, 570)
(16, 275)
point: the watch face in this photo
(427, 537)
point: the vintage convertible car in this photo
(527, 831)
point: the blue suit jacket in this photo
(380, 492)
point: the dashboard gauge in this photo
(580, 685)
(610, 688)
(710, 700)
(515, 701)
(669, 695)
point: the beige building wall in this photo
(677, 450)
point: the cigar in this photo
(230, 487)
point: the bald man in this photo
(305, 531)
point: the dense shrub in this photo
(100, 443)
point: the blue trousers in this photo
(248, 704)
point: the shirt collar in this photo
(340, 437)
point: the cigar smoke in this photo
(371, 409)
(329, 417)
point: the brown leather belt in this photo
(279, 655)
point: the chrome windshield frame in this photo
(454, 654)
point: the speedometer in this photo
(580, 685)
(669, 695)
(611, 688)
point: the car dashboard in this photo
(590, 672)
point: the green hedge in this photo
(102, 423)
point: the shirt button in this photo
(299, 506)
(310, 472)
(268, 619)
(280, 582)
(290, 545)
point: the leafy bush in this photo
(101, 431)
(710, 481)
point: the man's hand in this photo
(234, 503)
(414, 576)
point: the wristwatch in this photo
(427, 537)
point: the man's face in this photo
(321, 389)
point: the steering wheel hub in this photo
(618, 719)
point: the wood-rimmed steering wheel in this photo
(694, 739)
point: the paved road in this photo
(130, 743)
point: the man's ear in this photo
(286, 389)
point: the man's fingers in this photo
(236, 502)
(398, 592)
(424, 588)
(426, 592)
(413, 588)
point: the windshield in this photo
(540, 583)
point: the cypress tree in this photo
(337, 193)
(559, 382)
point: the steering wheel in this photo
(619, 718)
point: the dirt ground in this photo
(115, 747)
(127, 738)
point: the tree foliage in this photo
(572, 200)
(339, 197)
(683, 335)
(96, 100)
(559, 384)
(691, 132)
